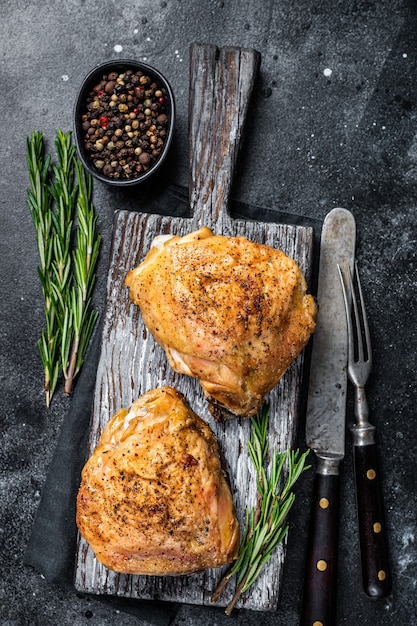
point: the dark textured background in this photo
(314, 142)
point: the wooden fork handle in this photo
(376, 572)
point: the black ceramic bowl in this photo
(123, 131)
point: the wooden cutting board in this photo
(131, 363)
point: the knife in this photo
(326, 416)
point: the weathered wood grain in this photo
(221, 85)
(131, 363)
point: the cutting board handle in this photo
(222, 81)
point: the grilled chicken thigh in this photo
(228, 311)
(153, 497)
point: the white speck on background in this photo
(148, 39)
(65, 77)
(118, 48)
(327, 71)
(408, 544)
(405, 55)
(135, 31)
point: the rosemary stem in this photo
(69, 379)
(236, 597)
(220, 587)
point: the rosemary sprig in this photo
(80, 319)
(40, 203)
(64, 193)
(266, 523)
(55, 200)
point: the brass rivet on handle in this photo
(323, 503)
(321, 565)
(370, 474)
(381, 575)
(317, 623)
(377, 527)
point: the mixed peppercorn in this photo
(125, 124)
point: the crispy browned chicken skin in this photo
(153, 497)
(228, 311)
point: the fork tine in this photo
(364, 322)
(359, 340)
(347, 308)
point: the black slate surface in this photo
(334, 124)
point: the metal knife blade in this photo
(326, 416)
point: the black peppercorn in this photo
(119, 89)
(108, 169)
(145, 158)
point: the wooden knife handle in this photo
(319, 601)
(376, 573)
